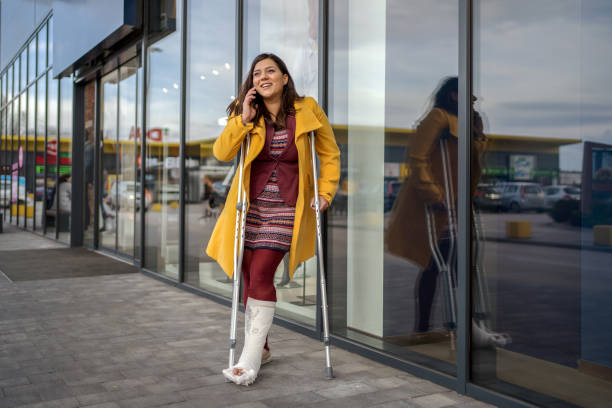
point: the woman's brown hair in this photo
(289, 96)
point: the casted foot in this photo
(482, 337)
(240, 376)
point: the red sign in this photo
(52, 148)
(153, 134)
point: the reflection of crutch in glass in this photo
(445, 264)
(241, 210)
(480, 329)
(329, 373)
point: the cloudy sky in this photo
(541, 66)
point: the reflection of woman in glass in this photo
(278, 179)
(423, 222)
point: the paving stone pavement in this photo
(130, 341)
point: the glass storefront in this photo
(543, 262)
(27, 176)
(388, 74)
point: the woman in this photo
(407, 233)
(278, 179)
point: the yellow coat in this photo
(308, 117)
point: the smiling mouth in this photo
(266, 86)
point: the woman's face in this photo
(268, 79)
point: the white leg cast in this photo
(482, 337)
(258, 319)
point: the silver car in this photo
(521, 196)
(556, 193)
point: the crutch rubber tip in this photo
(329, 373)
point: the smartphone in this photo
(258, 100)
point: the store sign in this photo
(522, 166)
(52, 148)
(153, 134)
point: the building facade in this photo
(109, 111)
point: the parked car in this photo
(487, 198)
(556, 193)
(521, 196)
(129, 196)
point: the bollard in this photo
(602, 235)
(518, 229)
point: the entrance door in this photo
(119, 191)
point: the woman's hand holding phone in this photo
(248, 108)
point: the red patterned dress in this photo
(269, 222)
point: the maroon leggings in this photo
(258, 267)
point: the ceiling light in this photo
(202, 77)
(215, 72)
(228, 66)
(164, 90)
(175, 85)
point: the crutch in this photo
(443, 264)
(329, 372)
(241, 211)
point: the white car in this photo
(556, 193)
(129, 196)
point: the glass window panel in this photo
(23, 64)
(163, 138)
(14, 117)
(52, 156)
(39, 188)
(128, 188)
(9, 90)
(22, 158)
(64, 187)
(42, 50)
(88, 168)
(32, 60)
(541, 271)
(30, 157)
(210, 46)
(5, 166)
(50, 43)
(108, 159)
(389, 59)
(290, 30)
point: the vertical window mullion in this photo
(464, 202)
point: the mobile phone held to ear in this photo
(257, 101)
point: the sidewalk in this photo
(131, 341)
